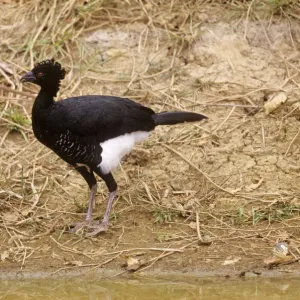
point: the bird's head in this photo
(47, 74)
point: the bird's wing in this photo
(100, 117)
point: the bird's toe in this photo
(96, 229)
(75, 228)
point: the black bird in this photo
(92, 133)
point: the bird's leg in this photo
(112, 187)
(88, 175)
(89, 215)
(108, 207)
(103, 226)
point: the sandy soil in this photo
(233, 180)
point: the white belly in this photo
(114, 149)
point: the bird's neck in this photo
(41, 107)
(40, 111)
(43, 100)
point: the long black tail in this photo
(175, 117)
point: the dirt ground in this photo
(214, 196)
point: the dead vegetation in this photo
(232, 181)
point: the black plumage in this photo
(89, 132)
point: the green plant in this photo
(240, 216)
(16, 118)
(164, 216)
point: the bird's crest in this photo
(52, 65)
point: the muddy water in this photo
(209, 289)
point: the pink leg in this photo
(89, 216)
(103, 226)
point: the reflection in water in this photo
(210, 289)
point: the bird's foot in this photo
(75, 228)
(102, 227)
(91, 228)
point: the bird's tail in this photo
(175, 117)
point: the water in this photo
(204, 289)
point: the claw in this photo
(98, 228)
(93, 228)
(79, 226)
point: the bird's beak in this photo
(28, 77)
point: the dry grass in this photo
(172, 179)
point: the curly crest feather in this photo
(50, 64)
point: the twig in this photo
(7, 89)
(16, 124)
(247, 18)
(154, 260)
(102, 264)
(196, 168)
(198, 228)
(151, 249)
(291, 143)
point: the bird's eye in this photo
(40, 74)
